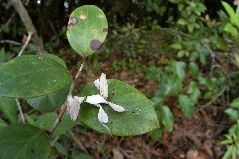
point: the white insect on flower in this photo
(73, 106)
(100, 16)
(102, 85)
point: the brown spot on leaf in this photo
(105, 29)
(95, 44)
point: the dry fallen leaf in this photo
(117, 154)
(192, 154)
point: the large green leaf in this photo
(235, 103)
(8, 107)
(233, 17)
(46, 120)
(194, 70)
(23, 142)
(49, 102)
(2, 123)
(87, 29)
(139, 119)
(33, 75)
(232, 113)
(231, 30)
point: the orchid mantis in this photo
(101, 84)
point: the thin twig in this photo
(17, 101)
(10, 42)
(77, 141)
(54, 141)
(26, 43)
(64, 106)
(20, 111)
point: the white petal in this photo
(97, 84)
(103, 86)
(73, 106)
(102, 116)
(95, 99)
(79, 99)
(116, 107)
(70, 99)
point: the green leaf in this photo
(211, 83)
(194, 70)
(235, 103)
(232, 113)
(33, 75)
(139, 119)
(171, 85)
(228, 153)
(194, 91)
(61, 149)
(8, 107)
(234, 129)
(186, 105)
(231, 30)
(2, 55)
(87, 29)
(49, 102)
(179, 69)
(46, 120)
(234, 152)
(167, 118)
(176, 46)
(2, 123)
(220, 43)
(233, 17)
(23, 142)
(156, 134)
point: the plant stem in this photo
(81, 147)
(17, 101)
(64, 106)
(10, 42)
(20, 111)
(26, 43)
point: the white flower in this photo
(73, 106)
(102, 85)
